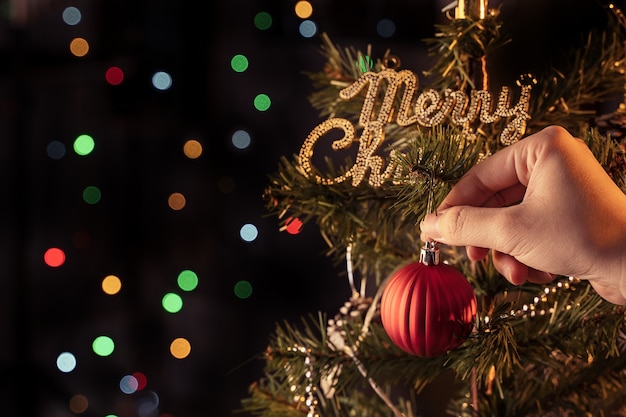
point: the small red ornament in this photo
(428, 308)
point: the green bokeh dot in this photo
(263, 20)
(103, 346)
(187, 280)
(243, 289)
(172, 303)
(92, 194)
(262, 102)
(239, 63)
(365, 63)
(83, 145)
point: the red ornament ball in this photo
(428, 310)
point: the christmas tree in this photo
(387, 150)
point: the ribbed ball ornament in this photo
(428, 310)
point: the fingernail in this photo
(429, 226)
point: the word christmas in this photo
(430, 109)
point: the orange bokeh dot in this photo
(54, 257)
(79, 403)
(180, 348)
(79, 47)
(176, 201)
(303, 9)
(192, 149)
(111, 284)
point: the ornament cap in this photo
(429, 255)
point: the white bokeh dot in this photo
(248, 232)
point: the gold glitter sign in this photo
(431, 108)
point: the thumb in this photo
(484, 227)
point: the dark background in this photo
(47, 94)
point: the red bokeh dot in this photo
(293, 225)
(114, 75)
(142, 381)
(54, 257)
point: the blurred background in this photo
(141, 275)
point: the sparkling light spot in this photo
(84, 145)
(114, 75)
(386, 28)
(243, 289)
(308, 28)
(161, 80)
(180, 348)
(79, 404)
(54, 257)
(192, 149)
(172, 303)
(262, 102)
(128, 384)
(187, 280)
(55, 150)
(71, 16)
(66, 362)
(365, 63)
(241, 139)
(111, 285)
(103, 346)
(303, 9)
(79, 47)
(293, 225)
(239, 63)
(92, 194)
(142, 380)
(248, 232)
(263, 20)
(176, 201)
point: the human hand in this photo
(546, 207)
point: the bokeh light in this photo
(84, 145)
(303, 9)
(187, 280)
(307, 29)
(111, 285)
(161, 80)
(55, 149)
(263, 20)
(365, 63)
(386, 28)
(78, 404)
(92, 194)
(142, 380)
(180, 348)
(248, 232)
(114, 75)
(103, 346)
(147, 405)
(176, 201)
(293, 225)
(262, 102)
(66, 362)
(79, 47)
(192, 149)
(172, 302)
(128, 384)
(239, 63)
(242, 289)
(71, 16)
(54, 257)
(241, 139)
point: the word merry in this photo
(431, 108)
